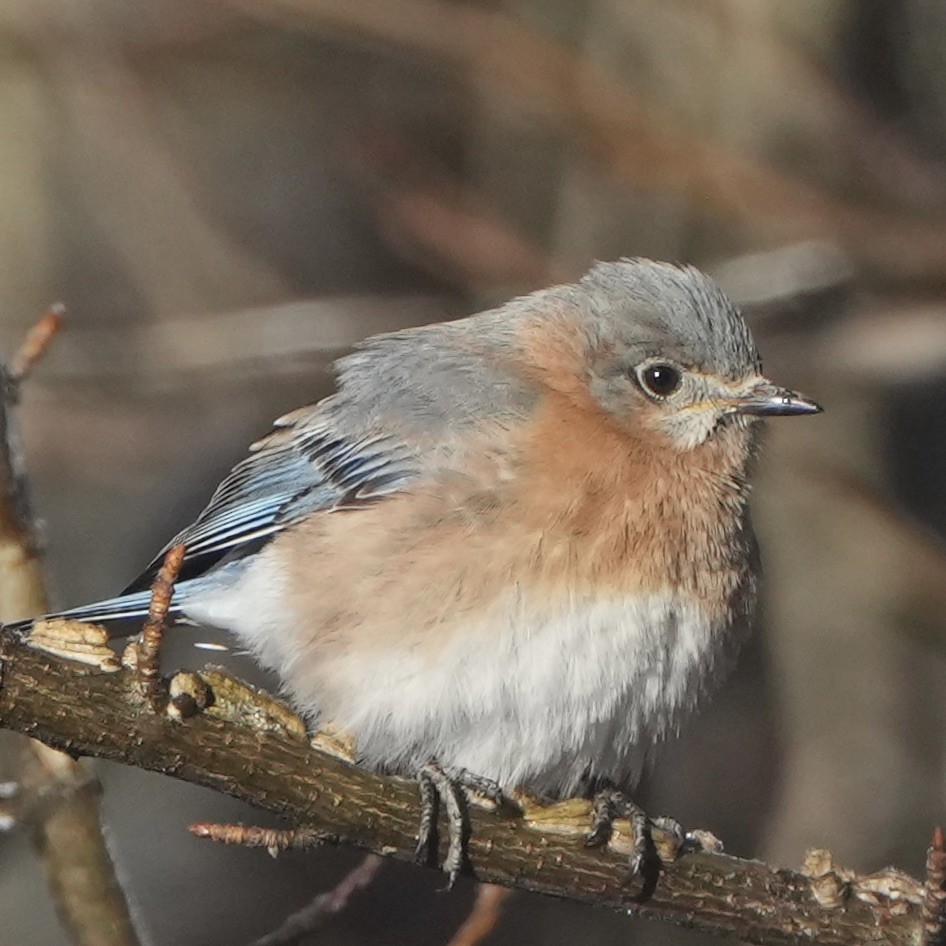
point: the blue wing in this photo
(403, 403)
(404, 400)
(305, 465)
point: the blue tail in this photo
(125, 607)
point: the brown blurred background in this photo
(227, 194)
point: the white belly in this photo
(536, 701)
(533, 697)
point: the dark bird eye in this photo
(660, 380)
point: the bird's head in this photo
(665, 350)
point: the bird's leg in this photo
(609, 805)
(453, 790)
(427, 776)
(437, 787)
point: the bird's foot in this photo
(607, 806)
(661, 836)
(455, 790)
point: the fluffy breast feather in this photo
(557, 605)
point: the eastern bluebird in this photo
(515, 545)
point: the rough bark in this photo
(84, 711)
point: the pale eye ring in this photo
(659, 379)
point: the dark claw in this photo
(609, 805)
(481, 785)
(429, 810)
(436, 787)
(671, 826)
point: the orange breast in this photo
(571, 505)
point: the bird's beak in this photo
(767, 400)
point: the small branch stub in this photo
(36, 343)
(273, 840)
(484, 917)
(149, 642)
(934, 892)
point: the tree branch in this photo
(57, 799)
(238, 746)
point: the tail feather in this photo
(125, 607)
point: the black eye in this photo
(660, 380)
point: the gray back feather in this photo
(406, 398)
(403, 400)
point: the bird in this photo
(511, 552)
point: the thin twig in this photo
(36, 343)
(152, 634)
(934, 899)
(324, 906)
(484, 916)
(273, 840)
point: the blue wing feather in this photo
(403, 399)
(291, 473)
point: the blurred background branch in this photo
(228, 194)
(56, 796)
